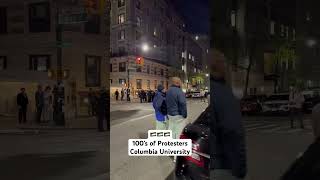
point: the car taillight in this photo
(195, 158)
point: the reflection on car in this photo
(196, 166)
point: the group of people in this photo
(123, 93)
(43, 102)
(146, 95)
(171, 108)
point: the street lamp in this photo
(311, 42)
(207, 75)
(145, 47)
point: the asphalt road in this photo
(271, 144)
(55, 155)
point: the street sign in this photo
(63, 44)
(72, 15)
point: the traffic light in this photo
(140, 61)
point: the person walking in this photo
(92, 102)
(160, 107)
(47, 116)
(39, 99)
(102, 109)
(202, 95)
(22, 102)
(296, 100)
(227, 135)
(128, 94)
(176, 108)
(122, 94)
(117, 94)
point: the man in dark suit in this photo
(22, 102)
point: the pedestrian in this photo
(128, 94)
(160, 107)
(149, 96)
(145, 96)
(101, 109)
(227, 137)
(307, 165)
(117, 94)
(91, 102)
(22, 102)
(176, 108)
(39, 100)
(152, 95)
(202, 96)
(296, 100)
(122, 94)
(47, 115)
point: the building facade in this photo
(153, 30)
(29, 47)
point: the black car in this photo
(196, 166)
(309, 103)
(252, 104)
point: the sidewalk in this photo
(9, 125)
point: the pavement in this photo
(55, 155)
(272, 145)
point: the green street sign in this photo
(73, 18)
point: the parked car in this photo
(312, 98)
(196, 166)
(196, 94)
(252, 104)
(276, 103)
(188, 94)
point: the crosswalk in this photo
(263, 126)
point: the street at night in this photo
(271, 144)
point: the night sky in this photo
(196, 14)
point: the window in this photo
(161, 72)
(139, 69)
(110, 67)
(148, 84)
(121, 3)
(122, 67)
(155, 31)
(39, 17)
(282, 30)
(3, 62)
(138, 35)
(272, 26)
(138, 5)
(122, 81)
(233, 19)
(148, 69)
(3, 20)
(155, 84)
(92, 25)
(39, 63)
(139, 84)
(121, 19)
(121, 35)
(139, 21)
(93, 64)
(122, 50)
(155, 70)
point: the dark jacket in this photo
(157, 103)
(39, 99)
(22, 100)
(227, 137)
(176, 102)
(102, 104)
(307, 166)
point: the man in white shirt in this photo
(296, 100)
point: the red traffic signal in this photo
(140, 60)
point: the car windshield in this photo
(278, 97)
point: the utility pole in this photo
(59, 89)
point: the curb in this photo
(20, 132)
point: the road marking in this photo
(132, 120)
(260, 127)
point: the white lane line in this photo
(279, 128)
(132, 120)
